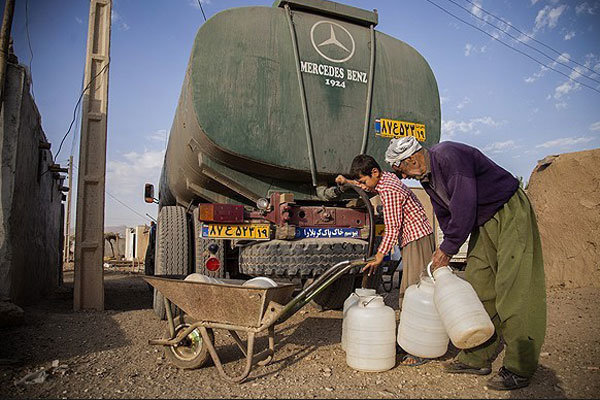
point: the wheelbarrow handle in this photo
(320, 284)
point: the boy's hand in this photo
(341, 180)
(372, 266)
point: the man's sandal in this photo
(456, 367)
(418, 361)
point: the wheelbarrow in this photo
(204, 307)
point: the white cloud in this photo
(451, 127)
(159, 135)
(125, 179)
(563, 58)
(561, 105)
(586, 8)
(569, 35)
(463, 103)
(536, 75)
(476, 8)
(194, 3)
(500, 147)
(595, 126)
(592, 61)
(534, 1)
(570, 85)
(468, 48)
(472, 49)
(129, 174)
(549, 16)
(79, 20)
(118, 20)
(565, 142)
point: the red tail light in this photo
(213, 264)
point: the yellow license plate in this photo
(237, 231)
(390, 128)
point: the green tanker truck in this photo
(275, 103)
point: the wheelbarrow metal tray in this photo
(228, 303)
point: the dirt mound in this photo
(565, 192)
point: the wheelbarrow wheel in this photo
(192, 352)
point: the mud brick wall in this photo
(31, 209)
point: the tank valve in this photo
(325, 215)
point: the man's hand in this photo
(372, 266)
(439, 259)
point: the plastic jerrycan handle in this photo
(429, 270)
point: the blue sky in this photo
(493, 98)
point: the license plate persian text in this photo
(326, 232)
(390, 128)
(230, 231)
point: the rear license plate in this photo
(326, 232)
(231, 231)
(390, 128)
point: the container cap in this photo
(365, 292)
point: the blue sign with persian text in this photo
(327, 232)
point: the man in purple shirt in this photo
(471, 194)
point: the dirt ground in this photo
(106, 355)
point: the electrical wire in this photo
(513, 48)
(29, 44)
(125, 205)
(523, 42)
(202, 9)
(119, 201)
(77, 105)
(525, 34)
(78, 117)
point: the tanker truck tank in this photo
(240, 124)
(276, 101)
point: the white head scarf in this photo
(400, 149)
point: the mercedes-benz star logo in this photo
(333, 42)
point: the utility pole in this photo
(89, 218)
(67, 240)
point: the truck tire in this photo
(172, 250)
(334, 296)
(303, 258)
(201, 250)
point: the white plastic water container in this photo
(371, 335)
(351, 301)
(464, 317)
(260, 282)
(421, 332)
(196, 277)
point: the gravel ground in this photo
(106, 355)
